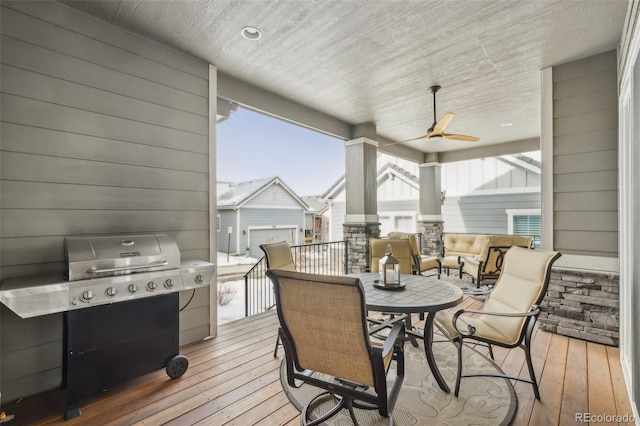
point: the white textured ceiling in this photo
(373, 61)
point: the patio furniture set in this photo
(326, 326)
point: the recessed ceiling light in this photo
(506, 125)
(251, 33)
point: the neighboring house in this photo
(499, 195)
(255, 212)
(397, 202)
(316, 224)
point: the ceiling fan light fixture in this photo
(251, 33)
(435, 137)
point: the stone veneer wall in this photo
(582, 305)
(431, 237)
(357, 236)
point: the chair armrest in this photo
(535, 310)
(397, 331)
(470, 260)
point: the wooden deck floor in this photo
(233, 380)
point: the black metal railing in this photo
(320, 258)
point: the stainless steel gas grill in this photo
(120, 299)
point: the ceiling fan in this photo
(436, 131)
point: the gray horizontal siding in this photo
(275, 196)
(484, 214)
(103, 132)
(261, 217)
(227, 220)
(398, 206)
(585, 162)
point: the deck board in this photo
(233, 379)
(575, 383)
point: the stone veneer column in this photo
(357, 235)
(431, 237)
(361, 195)
(583, 305)
(430, 222)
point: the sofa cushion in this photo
(464, 244)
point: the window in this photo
(397, 221)
(525, 222)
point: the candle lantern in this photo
(389, 268)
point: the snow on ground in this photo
(232, 259)
(235, 309)
(226, 264)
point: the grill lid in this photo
(103, 256)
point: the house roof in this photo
(236, 194)
(316, 205)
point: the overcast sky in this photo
(254, 146)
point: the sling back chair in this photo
(508, 316)
(278, 256)
(323, 327)
(401, 251)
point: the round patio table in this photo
(419, 295)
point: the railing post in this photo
(346, 256)
(246, 295)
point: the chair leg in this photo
(459, 375)
(275, 351)
(306, 411)
(532, 374)
(491, 352)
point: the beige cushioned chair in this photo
(421, 262)
(278, 256)
(456, 245)
(509, 314)
(400, 249)
(488, 264)
(323, 327)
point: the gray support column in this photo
(361, 196)
(430, 222)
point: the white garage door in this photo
(271, 235)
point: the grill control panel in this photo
(124, 287)
(196, 273)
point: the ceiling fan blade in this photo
(442, 123)
(460, 137)
(409, 140)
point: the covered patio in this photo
(109, 112)
(234, 380)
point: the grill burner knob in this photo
(168, 283)
(151, 286)
(111, 291)
(199, 279)
(88, 295)
(132, 288)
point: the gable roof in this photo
(315, 203)
(236, 194)
(383, 172)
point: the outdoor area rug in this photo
(482, 400)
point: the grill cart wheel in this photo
(177, 366)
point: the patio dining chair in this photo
(421, 262)
(509, 314)
(278, 256)
(323, 327)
